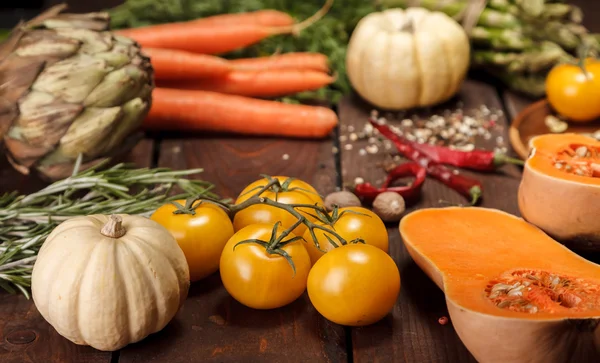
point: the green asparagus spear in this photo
(489, 17)
(451, 8)
(533, 8)
(536, 59)
(501, 5)
(566, 12)
(500, 39)
(567, 35)
(497, 19)
(531, 85)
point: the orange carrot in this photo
(257, 84)
(259, 17)
(186, 110)
(179, 64)
(200, 38)
(207, 38)
(293, 60)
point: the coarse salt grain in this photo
(407, 123)
(372, 149)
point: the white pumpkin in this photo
(109, 281)
(399, 59)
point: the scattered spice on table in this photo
(468, 187)
(481, 160)
(455, 128)
(443, 320)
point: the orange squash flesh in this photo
(469, 251)
(560, 189)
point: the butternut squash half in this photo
(560, 189)
(513, 294)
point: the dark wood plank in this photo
(230, 164)
(412, 332)
(24, 335)
(213, 327)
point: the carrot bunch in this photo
(199, 89)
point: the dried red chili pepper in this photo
(368, 192)
(481, 160)
(470, 188)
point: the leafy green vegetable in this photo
(329, 35)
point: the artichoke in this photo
(69, 86)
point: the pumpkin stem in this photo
(113, 228)
(408, 26)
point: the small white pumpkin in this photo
(399, 59)
(109, 281)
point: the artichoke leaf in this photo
(128, 42)
(17, 75)
(114, 59)
(8, 112)
(46, 43)
(74, 78)
(98, 21)
(87, 133)
(61, 170)
(118, 87)
(134, 112)
(91, 41)
(22, 153)
(44, 119)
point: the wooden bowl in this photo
(532, 122)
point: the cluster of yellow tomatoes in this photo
(353, 284)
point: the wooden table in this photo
(213, 327)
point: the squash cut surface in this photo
(491, 262)
(560, 189)
(566, 156)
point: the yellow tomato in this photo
(201, 236)
(259, 279)
(573, 93)
(353, 223)
(298, 192)
(354, 285)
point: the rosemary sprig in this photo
(26, 220)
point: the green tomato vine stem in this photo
(275, 244)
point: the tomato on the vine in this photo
(574, 90)
(260, 276)
(201, 230)
(352, 223)
(354, 285)
(294, 191)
